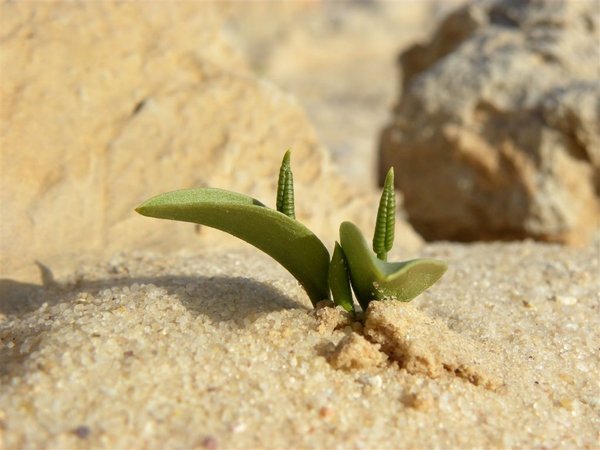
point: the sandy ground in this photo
(221, 350)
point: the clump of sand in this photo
(415, 341)
(223, 350)
(355, 352)
(425, 346)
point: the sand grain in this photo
(221, 350)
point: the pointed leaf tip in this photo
(140, 209)
(389, 178)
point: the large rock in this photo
(107, 104)
(497, 132)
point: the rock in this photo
(97, 118)
(497, 132)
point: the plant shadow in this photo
(221, 298)
(238, 301)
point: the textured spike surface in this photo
(285, 188)
(383, 237)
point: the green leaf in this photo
(339, 281)
(383, 238)
(286, 240)
(285, 188)
(373, 279)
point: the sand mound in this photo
(423, 345)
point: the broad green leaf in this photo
(373, 279)
(339, 281)
(286, 240)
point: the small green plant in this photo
(353, 265)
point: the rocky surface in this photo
(106, 104)
(497, 131)
(221, 350)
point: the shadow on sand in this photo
(201, 295)
(251, 296)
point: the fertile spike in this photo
(383, 238)
(391, 209)
(285, 188)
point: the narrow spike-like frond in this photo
(391, 214)
(285, 165)
(285, 188)
(383, 238)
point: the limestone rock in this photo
(497, 132)
(107, 104)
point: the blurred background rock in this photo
(339, 60)
(106, 104)
(497, 130)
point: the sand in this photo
(223, 350)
